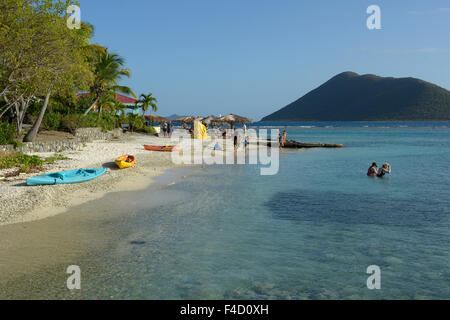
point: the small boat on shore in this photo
(125, 161)
(66, 177)
(162, 148)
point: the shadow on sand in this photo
(110, 166)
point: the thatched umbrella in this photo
(210, 120)
(187, 119)
(154, 118)
(182, 119)
(232, 119)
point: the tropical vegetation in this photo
(26, 163)
(146, 101)
(44, 65)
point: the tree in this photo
(19, 59)
(39, 56)
(108, 70)
(109, 103)
(67, 69)
(146, 101)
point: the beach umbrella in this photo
(211, 119)
(182, 119)
(232, 119)
(188, 119)
(154, 118)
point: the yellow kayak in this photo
(126, 161)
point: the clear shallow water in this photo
(309, 232)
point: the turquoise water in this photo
(309, 232)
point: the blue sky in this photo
(253, 57)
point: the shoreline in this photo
(83, 235)
(20, 203)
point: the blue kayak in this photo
(65, 177)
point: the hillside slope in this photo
(352, 97)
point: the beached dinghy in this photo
(162, 148)
(66, 177)
(126, 161)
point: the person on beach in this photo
(164, 128)
(280, 138)
(283, 140)
(385, 169)
(373, 170)
(235, 141)
(246, 143)
(168, 129)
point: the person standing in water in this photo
(283, 139)
(373, 170)
(385, 169)
(379, 172)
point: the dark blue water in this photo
(309, 232)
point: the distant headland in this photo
(352, 97)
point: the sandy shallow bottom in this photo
(34, 256)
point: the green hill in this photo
(352, 97)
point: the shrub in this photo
(25, 162)
(17, 144)
(150, 130)
(106, 121)
(136, 122)
(7, 133)
(72, 122)
(56, 157)
(51, 121)
(83, 103)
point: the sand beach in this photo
(20, 203)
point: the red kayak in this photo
(162, 148)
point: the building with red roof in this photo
(128, 101)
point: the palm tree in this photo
(109, 103)
(146, 100)
(107, 73)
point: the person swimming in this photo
(373, 170)
(379, 172)
(385, 169)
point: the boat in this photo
(126, 161)
(66, 177)
(162, 148)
